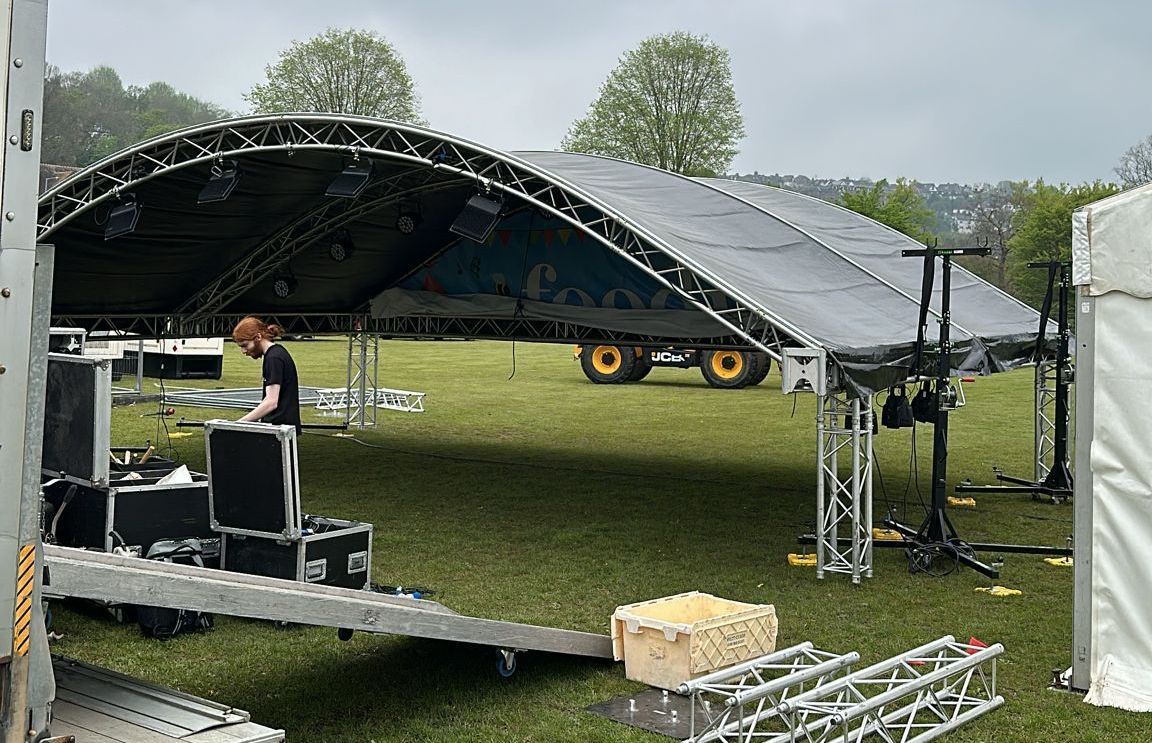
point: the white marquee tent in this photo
(1112, 266)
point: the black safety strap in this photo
(1046, 310)
(925, 302)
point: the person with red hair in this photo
(281, 403)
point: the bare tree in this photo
(1135, 168)
(993, 211)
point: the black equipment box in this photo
(254, 501)
(128, 513)
(77, 419)
(113, 503)
(339, 553)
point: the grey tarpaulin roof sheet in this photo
(835, 275)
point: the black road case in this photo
(254, 497)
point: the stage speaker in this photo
(477, 218)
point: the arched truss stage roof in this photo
(587, 249)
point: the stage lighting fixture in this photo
(408, 220)
(478, 217)
(284, 285)
(340, 246)
(220, 184)
(122, 218)
(351, 181)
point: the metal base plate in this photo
(653, 712)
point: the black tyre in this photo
(762, 364)
(726, 370)
(607, 364)
(640, 369)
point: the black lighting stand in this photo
(1057, 485)
(936, 539)
(935, 547)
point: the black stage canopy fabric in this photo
(823, 276)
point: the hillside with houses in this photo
(951, 202)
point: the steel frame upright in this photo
(363, 375)
(844, 498)
(25, 300)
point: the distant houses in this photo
(952, 202)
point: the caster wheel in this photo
(344, 634)
(505, 663)
(282, 625)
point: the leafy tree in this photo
(898, 205)
(669, 103)
(1043, 232)
(88, 115)
(340, 71)
(1135, 167)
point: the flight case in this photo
(254, 501)
(113, 503)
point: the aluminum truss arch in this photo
(447, 158)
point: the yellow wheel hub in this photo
(727, 364)
(606, 359)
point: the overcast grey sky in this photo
(967, 91)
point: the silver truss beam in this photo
(292, 239)
(362, 137)
(844, 485)
(721, 700)
(550, 331)
(939, 687)
(1045, 428)
(802, 694)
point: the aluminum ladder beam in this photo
(105, 577)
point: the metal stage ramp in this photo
(101, 576)
(96, 705)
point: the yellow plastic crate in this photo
(665, 642)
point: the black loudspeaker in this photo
(478, 218)
(122, 220)
(351, 181)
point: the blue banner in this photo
(546, 260)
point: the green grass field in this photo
(546, 499)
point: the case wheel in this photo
(505, 663)
(344, 634)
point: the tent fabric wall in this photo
(1112, 258)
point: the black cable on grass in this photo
(518, 312)
(884, 490)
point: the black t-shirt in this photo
(280, 369)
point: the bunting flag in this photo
(565, 234)
(430, 284)
(548, 237)
(505, 236)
